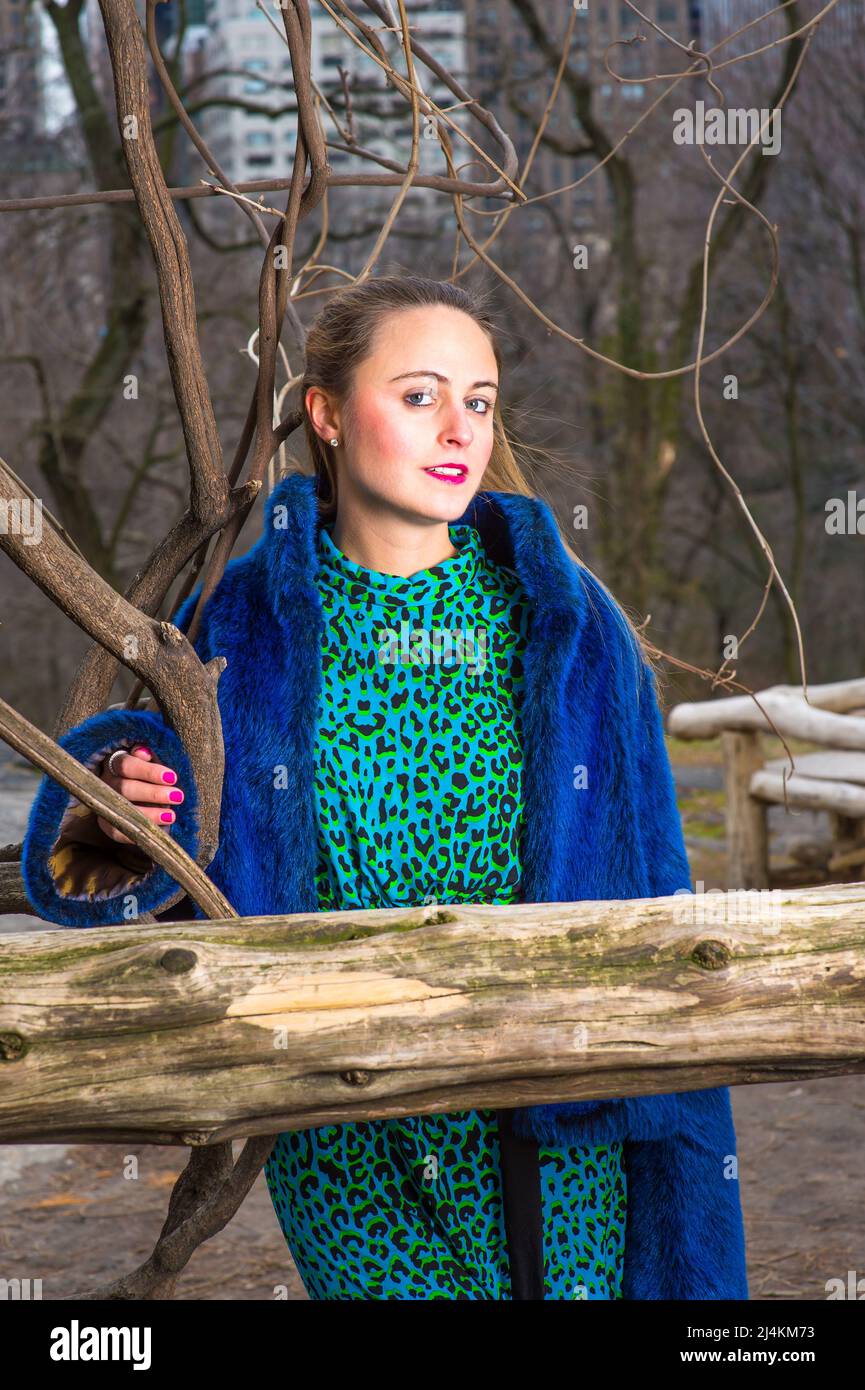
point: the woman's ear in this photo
(321, 411)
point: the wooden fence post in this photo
(747, 838)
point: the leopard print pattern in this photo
(412, 1209)
(418, 798)
(417, 774)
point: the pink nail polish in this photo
(175, 796)
(169, 776)
(142, 749)
(167, 815)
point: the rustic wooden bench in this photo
(831, 780)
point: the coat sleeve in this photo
(660, 823)
(74, 874)
(684, 1236)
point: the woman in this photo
(428, 698)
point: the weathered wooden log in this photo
(204, 1031)
(815, 793)
(791, 715)
(831, 765)
(844, 697)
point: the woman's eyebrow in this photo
(438, 376)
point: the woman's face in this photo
(416, 434)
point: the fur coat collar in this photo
(611, 831)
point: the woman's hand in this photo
(148, 785)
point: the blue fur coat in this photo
(589, 701)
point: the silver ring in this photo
(121, 751)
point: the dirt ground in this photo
(70, 1217)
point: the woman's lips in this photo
(448, 472)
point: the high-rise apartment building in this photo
(844, 24)
(252, 68)
(22, 105)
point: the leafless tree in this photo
(75, 565)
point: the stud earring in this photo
(334, 442)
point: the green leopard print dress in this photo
(418, 798)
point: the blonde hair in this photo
(341, 337)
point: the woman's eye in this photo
(478, 405)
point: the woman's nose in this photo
(458, 427)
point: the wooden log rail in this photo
(199, 1032)
(826, 717)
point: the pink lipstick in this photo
(448, 472)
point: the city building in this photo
(22, 85)
(252, 76)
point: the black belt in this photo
(521, 1190)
